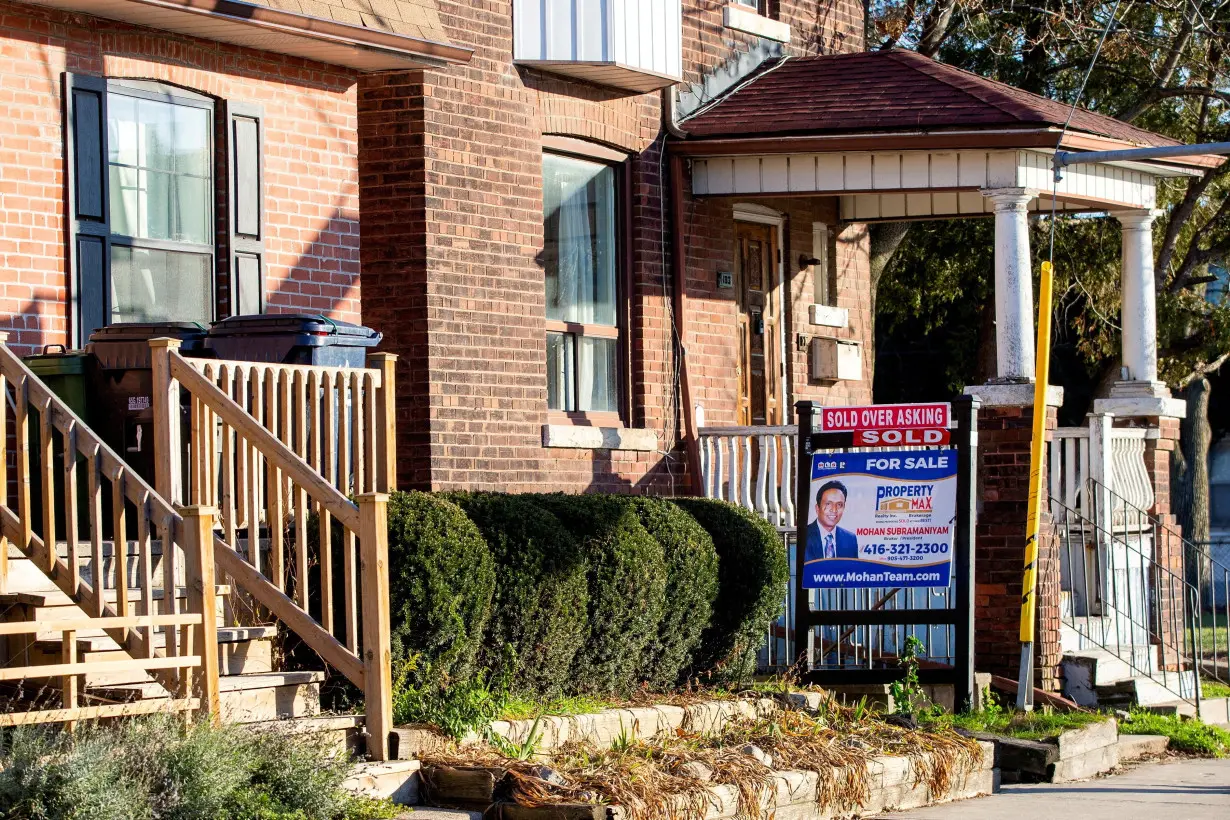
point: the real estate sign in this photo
(881, 519)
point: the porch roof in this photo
(365, 35)
(900, 136)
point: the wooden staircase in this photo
(183, 616)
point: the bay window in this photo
(581, 260)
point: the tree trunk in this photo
(884, 239)
(1190, 485)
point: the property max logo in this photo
(907, 498)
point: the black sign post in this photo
(960, 615)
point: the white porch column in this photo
(1139, 296)
(1014, 295)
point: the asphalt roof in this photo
(893, 90)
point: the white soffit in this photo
(270, 29)
(935, 182)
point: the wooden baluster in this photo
(170, 579)
(196, 452)
(1069, 473)
(97, 577)
(349, 590)
(774, 478)
(787, 485)
(70, 506)
(289, 417)
(168, 471)
(1054, 468)
(761, 473)
(356, 438)
(343, 435)
(273, 486)
(47, 472)
(373, 471)
(745, 496)
(301, 499)
(386, 419)
(324, 434)
(719, 475)
(68, 683)
(21, 424)
(226, 495)
(732, 494)
(377, 663)
(706, 469)
(119, 541)
(198, 543)
(145, 564)
(254, 478)
(243, 461)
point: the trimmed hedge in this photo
(691, 587)
(752, 578)
(541, 592)
(627, 587)
(441, 581)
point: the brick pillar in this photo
(1168, 588)
(1004, 435)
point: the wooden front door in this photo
(756, 288)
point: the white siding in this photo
(639, 36)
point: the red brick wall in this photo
(311, 184)
(1004, 435)
(452, 228)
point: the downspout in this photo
(679, 300)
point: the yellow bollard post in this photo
(1033, 522)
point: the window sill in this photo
(829, 316)
(581, 437)
(743, 19)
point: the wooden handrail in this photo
(130, 622)
(269, 445)
(764, 430)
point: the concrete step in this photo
(1142, 691)
(245, 698)
(1138, 747)
(1088, 672)
(344, 732)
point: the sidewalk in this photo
(1178, 789)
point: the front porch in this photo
(930, 142)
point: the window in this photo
(144, 194)
(581, 261)
(160, 186)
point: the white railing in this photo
(1113, 457)
(752, 467)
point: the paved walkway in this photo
(1167, 790)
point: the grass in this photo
(1214, 689)
(160, 768)
(1037, 725)
(1186, 735)
(1205, 639)
(521, 708)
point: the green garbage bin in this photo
(64, 373)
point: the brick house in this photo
(186, 158)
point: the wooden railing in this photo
(752, 467)
(272, 447)
(1113, 457)
(170, 544)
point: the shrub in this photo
(691, 586)
(538, 618)
(752, 578)
(441, 581)
(627, 585)
(160, 768)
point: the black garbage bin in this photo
(121, 382)
(292, 338)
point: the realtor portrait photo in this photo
(824, 538)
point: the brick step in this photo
(245, 698)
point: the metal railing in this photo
(1129, 591)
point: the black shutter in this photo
(246, 209)
(85, 160)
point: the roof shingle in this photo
(419, 19)
(892, 90)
